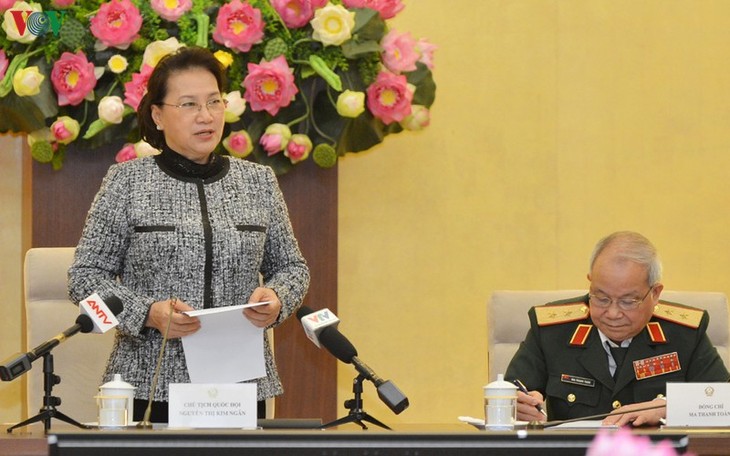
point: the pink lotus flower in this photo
(238, 26)
(425, 50)
(73, 78)
(298, 148)
(389, 98)
(126, 153)
(238, 144)
(275, 138)
(399, 51)
(389, 8)
(171, 10)
(297, 13)
(386, 8)
(624, 442)
(117, 23)
(4, 62)
(269, 85)
(6, 5)
(65, 129)
(418, 119)
(135, 89)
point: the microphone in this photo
(315, 322)
(103, 315)
(95, 315)
(321, 328)
(538, 425)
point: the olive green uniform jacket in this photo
(575, 379)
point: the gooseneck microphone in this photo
(321, 328)
(96, 315)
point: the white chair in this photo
(81, 359)
(507, 321)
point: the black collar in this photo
(177, 165)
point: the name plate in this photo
(698, 404)
(212, 405)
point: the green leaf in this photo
(353, 49)
(360, 134)
(94, 128)
(20, 115)
(422, 78)
(368, 25)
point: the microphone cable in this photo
(145, 423)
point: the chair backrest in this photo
(507, 321)
(80, 360)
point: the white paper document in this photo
(227, 348)
(583, 424)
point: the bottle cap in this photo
(500, 388)
(117, 383)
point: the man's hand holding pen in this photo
(530, 404)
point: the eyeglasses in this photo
(216, 106)
(604, 302)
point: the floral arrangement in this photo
(624, 442)
(305, 77)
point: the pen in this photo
(521, 386)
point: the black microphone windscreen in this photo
(87, 325)
(114, 304)
(303, 312)
(337, 344)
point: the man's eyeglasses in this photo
(215, 106)
(604, 302)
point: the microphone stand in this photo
(49, 400)
(357, 414)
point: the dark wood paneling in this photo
(310, 374)
(61, 200)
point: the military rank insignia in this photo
(656, 365)
(682, 315)
(656, 333)
(562, 313)
(580, 336)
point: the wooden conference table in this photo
(412, 440)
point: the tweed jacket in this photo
(567, 363)
(152, 234)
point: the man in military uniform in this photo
(616, 347)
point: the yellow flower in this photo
(158, 49)
(332, 24)
(10, 26)
(350, 103)
(118, 63)
(225, 58)
(27, 82)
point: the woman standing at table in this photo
(204, 229)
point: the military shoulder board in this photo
(562, 313)
(686, 316)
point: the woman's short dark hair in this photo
(184, 58)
